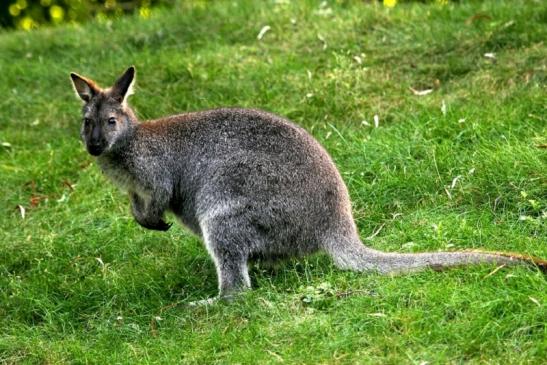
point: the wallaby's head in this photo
(106, 116)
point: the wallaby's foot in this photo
(228, 298)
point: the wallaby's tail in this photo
(353, 255)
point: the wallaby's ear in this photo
(123, 87)
(85, 88)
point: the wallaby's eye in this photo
(112, 121)
(87, 122)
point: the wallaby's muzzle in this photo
(95, 149)
(95, 142)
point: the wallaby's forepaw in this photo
(163, 226)
(159, 226)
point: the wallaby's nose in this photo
(94, 149)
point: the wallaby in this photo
(250, 183)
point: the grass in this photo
(461, 167)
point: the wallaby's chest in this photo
(120, 174)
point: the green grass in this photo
(80, 282)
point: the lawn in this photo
(463, 166)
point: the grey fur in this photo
(250, 183)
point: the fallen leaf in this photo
(22, 210)
(494, 271)
(35, 200)
(377, 315)
(68, 185)
(454, 181)
(421, 92)
(62, 199)
(263, 31)
(478, 16)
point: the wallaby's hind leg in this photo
(230, 258)
(232, 271)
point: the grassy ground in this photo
(462, 167)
